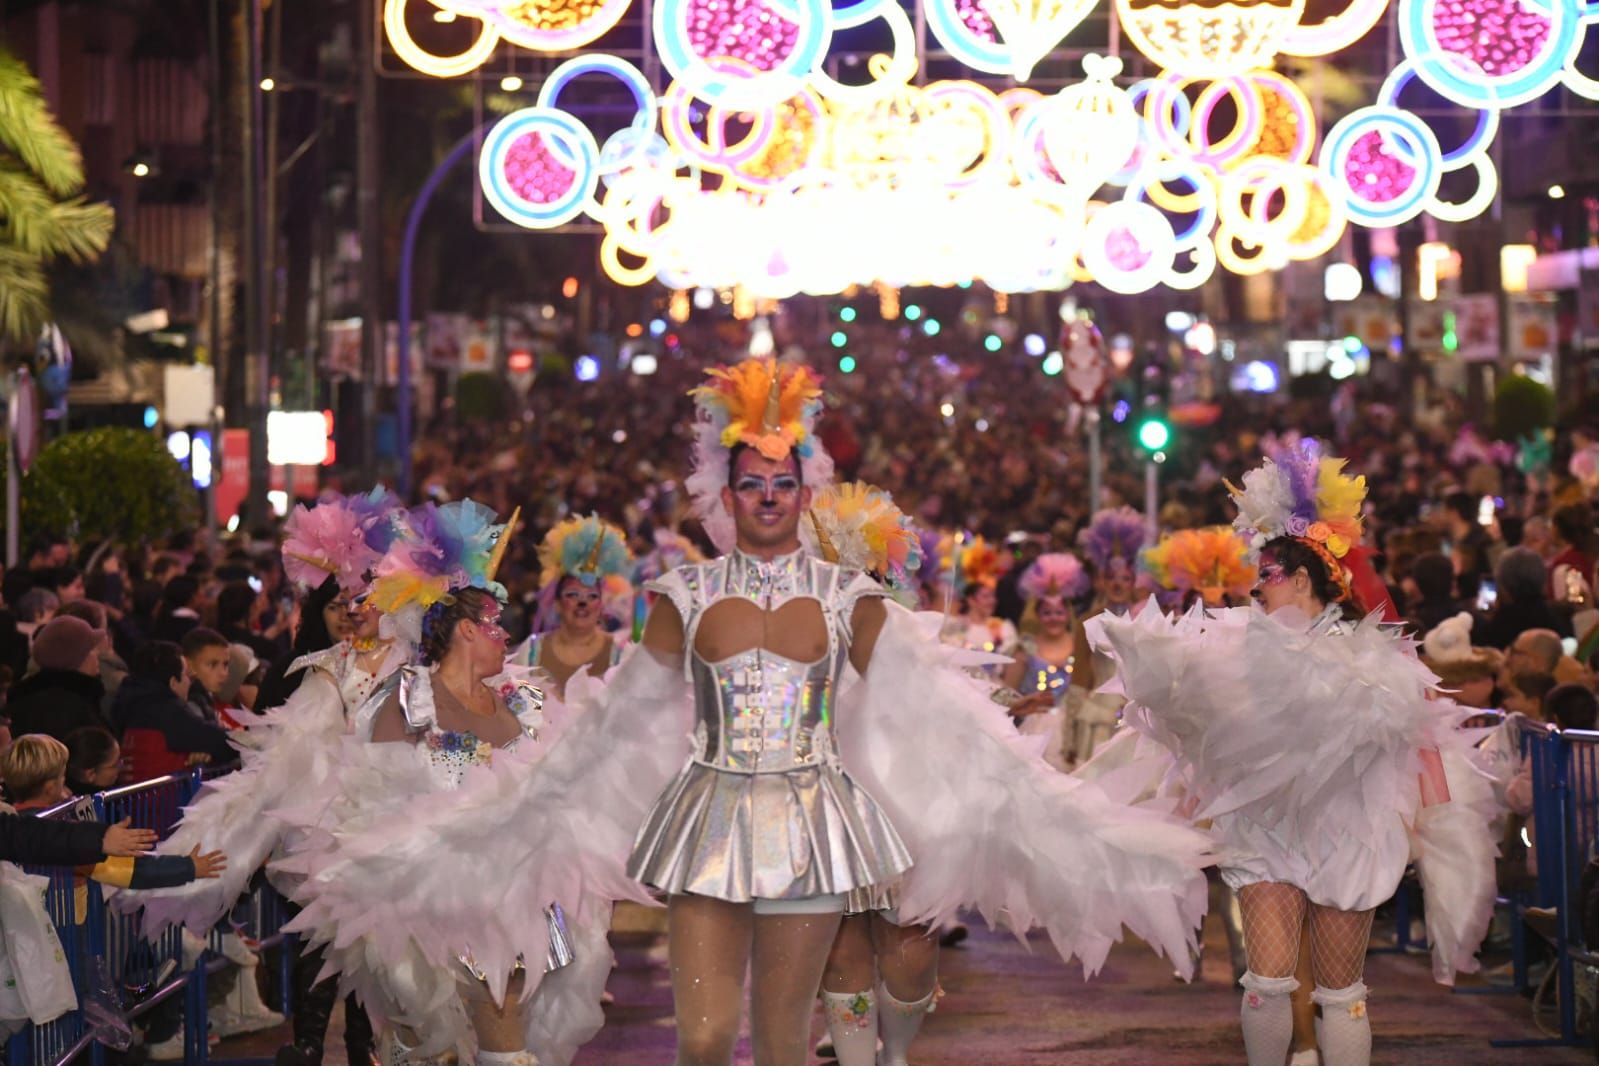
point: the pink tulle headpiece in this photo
(1056, 575)
(342, 537)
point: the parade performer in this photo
(577, 559)
(288, 754)
(1311, 740)
(760, 826)
(1111, 542)
(417, 738)
(977, 566)
(1045, 660)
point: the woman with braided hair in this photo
(1312, 740)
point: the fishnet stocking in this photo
(785, 973)
(1338, 945)
(1274, 915)
(708, 944)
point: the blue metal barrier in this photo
(89, 930)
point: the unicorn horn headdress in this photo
(342, 536)
(588, 549)
(859, 527)
(439, 551)
(761, 403)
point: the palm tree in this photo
(43, 216)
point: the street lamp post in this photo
(413, 224)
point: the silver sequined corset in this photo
(761, 713)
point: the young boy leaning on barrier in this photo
(34, 769)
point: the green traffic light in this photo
(839, 339)
(847, 314)
(846, 365)
(1153, 434)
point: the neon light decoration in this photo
(753, 167)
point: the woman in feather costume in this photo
(425, 731)
(1310, 739)
(289, 754)
(577, 559)
(1045, 660)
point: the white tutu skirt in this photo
(791, 835)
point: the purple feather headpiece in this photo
(1115, 536)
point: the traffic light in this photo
(1152, 432)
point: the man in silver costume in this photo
(762, 836)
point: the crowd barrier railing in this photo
(148, 972)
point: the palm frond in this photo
(29, 130)
(24, 295)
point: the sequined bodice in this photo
(758, 711)
(1041, 676)
(451, 754)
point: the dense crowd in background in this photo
(106, 646)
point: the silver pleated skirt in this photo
(791, 835)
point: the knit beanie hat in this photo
(64, 643)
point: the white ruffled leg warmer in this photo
(898, 1023)
(852, 1023)
(1343, 1030)
(1268, 1018)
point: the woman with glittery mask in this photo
(577, 557)
(340, 656)
(1312, 740)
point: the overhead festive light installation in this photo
(755, 167)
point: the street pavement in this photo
(1013, 1004)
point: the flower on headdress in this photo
(762, 403)
(1338, 546)
(1296, 525)
(1318, 531)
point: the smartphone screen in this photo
(1487, 596)
(1485, 511)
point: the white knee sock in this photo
(1268, 1018)
(507, 1058)
(898, 1023)
(1343, 1030)
(852, 1023)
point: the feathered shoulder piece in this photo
(344, 536)
(1114, 537)
(767, 405)
(1299, 492)
(588, 549)
(981, 563)
(1213, 562)
(858, 526)
(1054, 574)
(439, 550)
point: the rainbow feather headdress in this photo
(1303, 494)
(859, 527)
(767, 405)
(1114, 537)
(589, 549)
(342, 536)
(1213, 562)
(1054, 575)
(441, 550)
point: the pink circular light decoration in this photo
(975, 18)
(748, 30)
(1500, 36)
(1375, 172)
(1123, 249)
(534, 172)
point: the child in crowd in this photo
(209, 656)
(35, 773)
